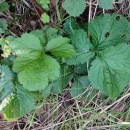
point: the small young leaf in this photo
(110, 71)
(60, 47)
(44, 4)
(74, 7)
(35, 70)
(45, 18)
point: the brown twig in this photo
(40, 9)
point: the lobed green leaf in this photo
(110, 71)
(60, 47)
(35, 70)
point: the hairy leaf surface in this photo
(81, 43)
(35, 70)
(109, 30)
(26, 43)
(60, 47)
(110, 71)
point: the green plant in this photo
(106, 52)
(45, 5)
(34, 62)
(43, 62)
(45, 18)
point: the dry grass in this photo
(94, 112)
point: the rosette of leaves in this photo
(105, 50)
(35, 67)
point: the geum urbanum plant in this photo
(104, 47)
(44, 62)
(37, 63)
